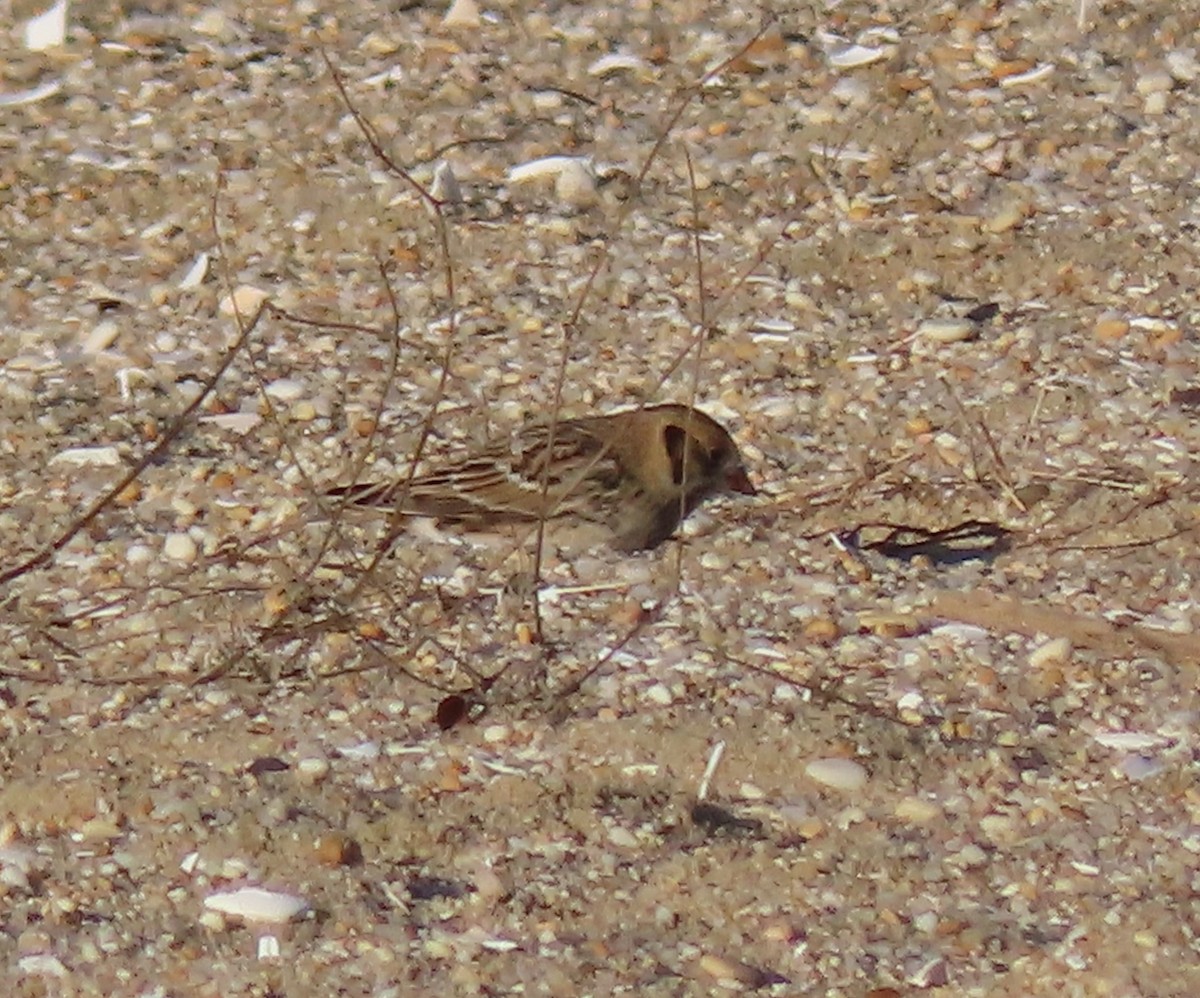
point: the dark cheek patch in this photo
(675, 439)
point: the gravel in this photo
(947, 289)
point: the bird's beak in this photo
(738, 481)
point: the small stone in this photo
(660, 694)
(102, 336)
(1009, 217)
(1110, 327)
(47, 30)
(312, 769)
(822, 631)
(245, 301)
(618, 62)
(255, 904)
(981, 141)
(180, 547)
(90, 457)
(1156, 103)
(285, 390)
(445, 187)
(733, 972)
(838, 773)
(946, 330)
(931, 973)
(622, 837)
(336, 849)
(854, 56)
(916, 810)
(576, 186)
(1182, 65)
(1154, 82)
(214, 23)
(462, 14)
(1057, 651)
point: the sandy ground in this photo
(946, 275)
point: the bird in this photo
(635, 473)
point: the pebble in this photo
(90, 457)
(1182, 64)
(462, 14)
(1139, 767)
(576, 185)
(660, 694)
(946, 330)
(360, 752)
(1034, 75)
(1129, 741)
(285, 389)
(445, 187)
(1008, 217)
(1053, 652)
(547, 167)
(980, 141)
(1154, 82)
(854, 56)
(337, 849)
(180, 547)
(622, 837)
(236, 422)
(214, 23)
(619, 62)
(195, 274)
(312, 769)
(245, 300)
(1110, 327)
(916, 810)
(102, 336)
(47, 30)
(838, 773)
(256, 904)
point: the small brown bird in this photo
(636, 474)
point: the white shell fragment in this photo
(574, 178)
(1035, 75)
(1129, 741)
(841, 154)
(102, 336)
(548, 168)
(285, 389)
(47, 30)
(16, 863)
(32, 95)
(1183, 65)
(445, 185)
(617, 62)
(576, 186)
(196, 273)
(90, 457)
(462, 14)
(853, 56)
(234, 422)
(247, 299)
(946, 330)
(1056, 651)
(180, 547)
(256, 904)
(43, 964)
(841, 774)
